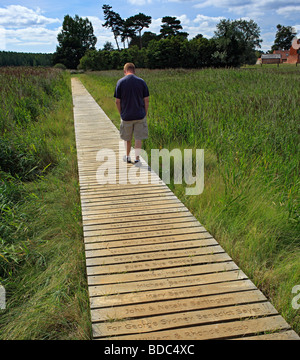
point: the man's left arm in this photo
(146, 102)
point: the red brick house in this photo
(284, 55)
(291, 56)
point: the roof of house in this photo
(271, 56)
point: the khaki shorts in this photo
(138, 128)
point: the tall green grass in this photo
(247, 121)
(42, 265)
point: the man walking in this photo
(132, 101)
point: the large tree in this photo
(170, 27)
(284, 37)
(138, 23)
(113, 21)
(128, 31)
(77, 36)
(236, 42)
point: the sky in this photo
(33, 25)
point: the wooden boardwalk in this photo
(154, 272)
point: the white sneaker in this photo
(138, 163)
(127, 159)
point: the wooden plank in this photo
(219, 330)
(95, 193)
(128, 205)
(142, 253)
(162, 204)
(154, 234)
(140, 220)
(284, 335)
(135, 215)
(127, 200)
(147, 189)
(150, 203)
(124, 227)
(121, 225)
(104, 189)
(169, 241)
(135, 230)
(117, 216)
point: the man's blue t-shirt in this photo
(132, 90)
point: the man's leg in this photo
(126, 132)
(138, 146)
(127, 145)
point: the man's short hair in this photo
(129, 67)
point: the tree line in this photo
(11, 58)
(234, 44)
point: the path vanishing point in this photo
(154, 272)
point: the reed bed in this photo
(42, 265)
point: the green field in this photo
(247, 121)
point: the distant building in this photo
(294, 56)
(271, 59)
(291, 56)
(284, 55)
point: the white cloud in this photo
(254, 8)
(289, 11)
(247, 8)
(268, 38)
(31, 36)
(103, 34)
(206, 25)
(201, 24)
(16, 16)
(211, 19)
(26, 28)
(155, 25)
(185, 21)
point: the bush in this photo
(173, 52)
(60, 66)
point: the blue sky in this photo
(33, 25)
